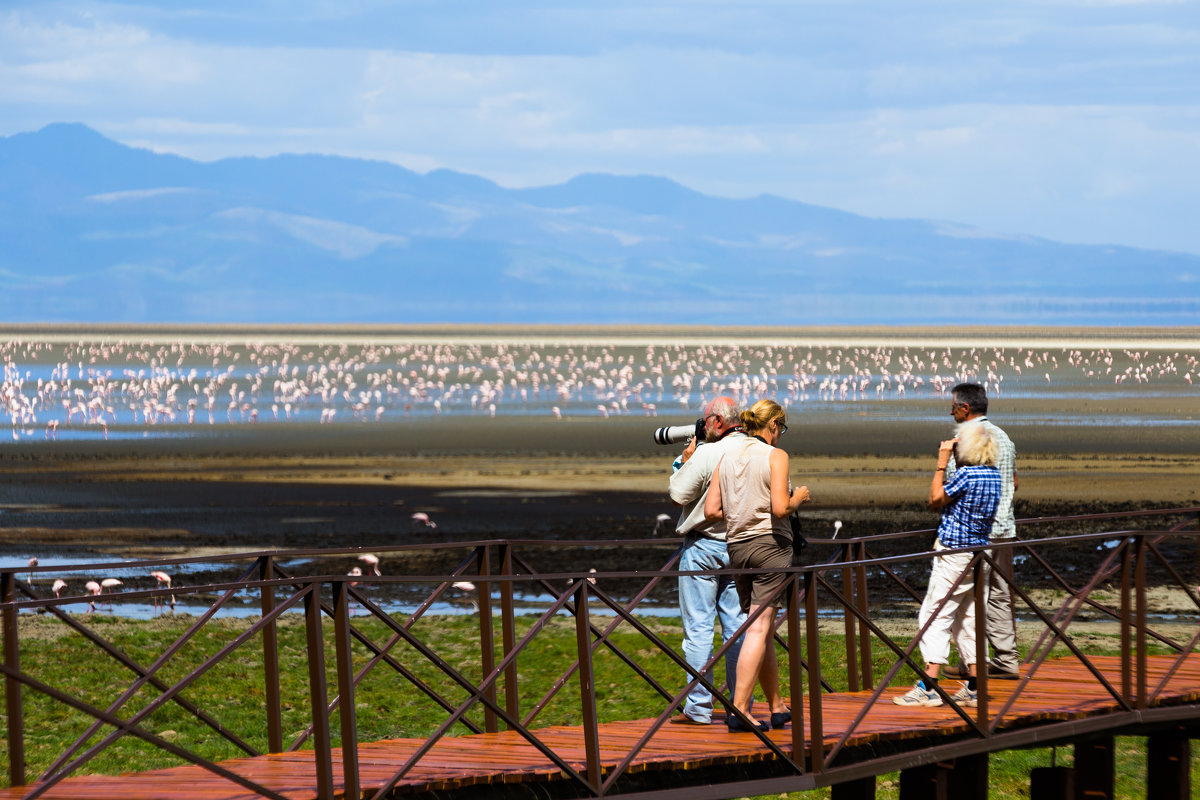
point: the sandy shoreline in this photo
(627, 335)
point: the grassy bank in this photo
(387, 706)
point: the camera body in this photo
(677, 434)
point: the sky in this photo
(1074, 120)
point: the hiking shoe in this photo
(919, 696)
(959, 670)
(966, 697)
(994, 670)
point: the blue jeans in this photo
(702, 598)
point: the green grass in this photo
(386, 705)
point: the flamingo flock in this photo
(95, 589)
(139, 384)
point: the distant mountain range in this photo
(94, 231)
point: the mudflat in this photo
(561, 479)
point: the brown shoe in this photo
(684, 719)
(959, 670)
(995, 671)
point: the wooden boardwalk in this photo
(1061, 690)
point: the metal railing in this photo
(850, 586)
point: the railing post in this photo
(1139, 577)
(849, 579)
(317, 694)
(270, 645)
(512, 698)
(487, 639)
(979, 590)
(587, 685)
(345, 680)
(813, 643)
(12, 687)
(795, 674)
(1126, 623)
(867, 667)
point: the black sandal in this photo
(735, 725)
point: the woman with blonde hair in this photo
(750, 491)
(968, 501)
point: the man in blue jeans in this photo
(704, 598)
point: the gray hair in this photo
(976, 445)
(726, 410)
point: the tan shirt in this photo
(746, 493)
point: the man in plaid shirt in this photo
(968, 501)
(970, 403)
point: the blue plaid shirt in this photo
(967, 521)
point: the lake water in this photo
(125, 389)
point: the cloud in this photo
(342, 239)
(137, 194)
(1067, 118)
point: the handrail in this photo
(849, 585)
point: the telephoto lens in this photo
(677, 434)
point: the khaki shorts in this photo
(769, 551)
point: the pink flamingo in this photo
(33, 562)
(110, 583)
(372, 562)
(468, 587)
(164, 581)
(59, 585)
(355, 572)
(94, 589)
(422, 517)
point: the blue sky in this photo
(1076, 120)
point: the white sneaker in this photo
(919, 697)
(968, 698)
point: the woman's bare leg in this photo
(756, 662)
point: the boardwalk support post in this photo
(965, 777)
(1052, 783)
(12, 688)
(1168, 766)
(1095, 769)
(926, 782)
(317, 694)
(861, 789)
(270, 645)
(969, 777)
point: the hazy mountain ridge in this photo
(96, 231)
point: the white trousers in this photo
(956, 618)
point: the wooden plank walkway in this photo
(1061, 690)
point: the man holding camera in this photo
(969, 403)
(703, 598)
